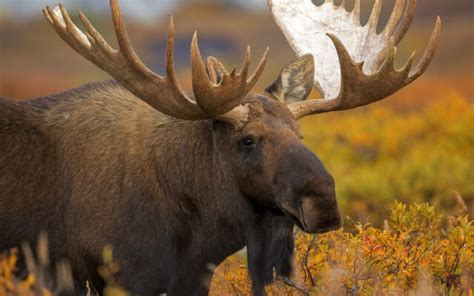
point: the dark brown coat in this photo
(96, 166)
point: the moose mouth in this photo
(300, 219)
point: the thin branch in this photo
(289, 282)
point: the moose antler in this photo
(162, 93)
(354, 64)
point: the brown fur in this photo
(97, 166)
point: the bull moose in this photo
(175, 181)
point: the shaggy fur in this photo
(96, 166)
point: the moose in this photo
(178, 181)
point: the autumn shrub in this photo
(9, 285)
(39, 279)
(416, 252)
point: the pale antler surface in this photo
(354, 64)
(163, 93)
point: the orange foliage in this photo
(417, 252)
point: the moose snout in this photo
(319, 210)
(313, 201)
(319, 215)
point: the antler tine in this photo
(95, 35)
(70, 34)
(47, 16)
(244, 70)
(72, 28)
(169, 62)
(429, 52)
(259, 69)
(124, 41)
(374, 16)
(394, 19)
(199, 76)
(405, 23)
(230, 89)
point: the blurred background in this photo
(416, 146)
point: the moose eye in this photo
(247, 141)
(247, 144)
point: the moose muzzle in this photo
(318, 216)
(308, 191)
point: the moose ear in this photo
(215, 70)
(295, 80)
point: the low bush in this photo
(417, 252)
